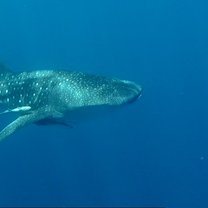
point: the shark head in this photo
(125, 92)
(78, 89)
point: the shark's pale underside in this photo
(48, 95)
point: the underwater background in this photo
(153, 152)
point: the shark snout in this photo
(132, 91)
(125, 92)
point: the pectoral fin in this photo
(22, 121)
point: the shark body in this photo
(45, 96)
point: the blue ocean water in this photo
(151, 153)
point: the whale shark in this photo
(47, 96)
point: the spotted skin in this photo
(50, 94)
